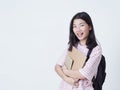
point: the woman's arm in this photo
(74, 74)
(60, 72)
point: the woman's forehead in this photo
(80, 21)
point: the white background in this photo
(34, 33)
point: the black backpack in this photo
(101, 74)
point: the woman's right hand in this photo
(69, 80)
(76, 82)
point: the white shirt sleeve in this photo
(91, 66)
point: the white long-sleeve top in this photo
(88, 71)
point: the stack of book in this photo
(74, 59)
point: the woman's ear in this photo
(90, 28)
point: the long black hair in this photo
(73, 40)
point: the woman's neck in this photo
(83, 42)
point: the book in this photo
(74, 59)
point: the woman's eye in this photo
(74, 26)
(82, 25)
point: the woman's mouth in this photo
(80, 34)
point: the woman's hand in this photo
(76, 82)
(64, 67)
(65, 70)
(69, 80)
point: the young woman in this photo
(83, 38)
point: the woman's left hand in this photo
(65, 70)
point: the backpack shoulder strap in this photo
(88, 55)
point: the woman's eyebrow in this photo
(79, 23)
(82, 23)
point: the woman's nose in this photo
(78, 29)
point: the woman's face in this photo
(81, 30)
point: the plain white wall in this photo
(34, 33)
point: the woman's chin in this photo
(80, 38)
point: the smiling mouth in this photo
(80, 34)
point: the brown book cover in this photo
(74, 59)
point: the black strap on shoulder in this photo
(88, 54)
